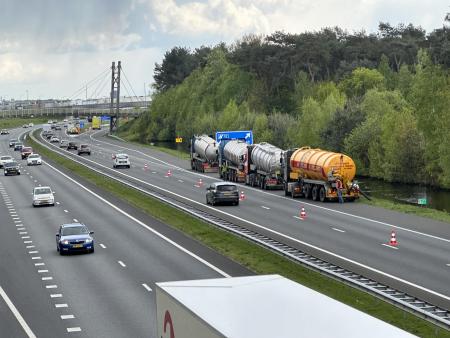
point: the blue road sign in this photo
(81, 124)
(245, 135)
(106, 118)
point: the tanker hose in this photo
(365, 195)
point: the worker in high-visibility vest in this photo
(339, 188)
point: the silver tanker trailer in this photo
(233, 156)
(264, 168)
(203, 151)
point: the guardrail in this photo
(398, 298)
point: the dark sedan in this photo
(222, 192)
(11, 168)
(18, 146)
(74, 237)
(72, 145)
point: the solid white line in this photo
(75, 220)
(51, 286)
(389, 246)
(67, 316)
(121, 263)
(338, 230)
(56, 295)
(47, 278)
(61, 305)
(42, 271)
(103, 246)
(73, 329)
(264, 207)
(148, 288)
(39, 264)
(16, 314)
(143, 224)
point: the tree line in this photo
(382, 98)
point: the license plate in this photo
(77, 245)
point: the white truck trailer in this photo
(259, 307)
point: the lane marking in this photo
(264, 207)
(61, 305)
(66, 210)
(181, 181)
(33, 252)
(20, 229)
(35, 181)
(42, 271)
(389, 246)
(338, 230)
(25, 237)
(142, 224)
(51, 286)
(23, 233)
(67, 316)
(39, 264)
(296, 217)
(74, 329)
(36, 257)
(16, 314)
(17, 222)
(30, 246)
(16, 218)
(56, 295)
(148, 288)
(448, 264)
(121, 263)
(47, 278)
(103, 246)
(27, 242)
(75, 220)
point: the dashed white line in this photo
(389, 246)
(67, 316)
(51, 286)
(39, 264)
(338, 230)
(25, 237)
(264, 207)
(148, 288)
(66, 210)
(33, 252)
(42, 271)
(58, 203)
(56, 295)
(30, 246)
(17, 314)
(35, 181)
(181, 181)
(75, 220)
(121, 263)
(27, 242)
(74, 329)
(16, 218)
(19, 225)
(23, 233)
(296, 217)
(47, 278)
(36, 257)
(61, 305)
(103, 246)
(448, 264)
(20, 229)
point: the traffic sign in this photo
(81, 124)
(422, 201)
(179, 140)
(244, 135)
(106, 118)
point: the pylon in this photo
(302, 214)
(242, 196)
(169, 173)
(199, 183)
(393, 240)
(145, 166)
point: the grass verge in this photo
(7, 123)
(251, 255)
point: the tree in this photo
(361, 80)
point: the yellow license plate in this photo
(77, 245)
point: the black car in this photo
(18, 146)
(84, 149)
(222, 192)
(11, 168)
(72, 145)
(12, 142)
(49, 135)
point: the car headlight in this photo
(65, 242)
(89, 240)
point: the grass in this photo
(408, 209)
(250, 255)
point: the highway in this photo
(105, 294)
(352, 235)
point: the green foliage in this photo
(361, 80)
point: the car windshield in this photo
(69, 231)
(33, 156)
(84, 146)
(10, 164)
(122, 157)
(42, 191)
(4, 158)
(226, 188)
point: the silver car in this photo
(5, 159)
(43, 196)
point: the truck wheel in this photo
(322, 194)
(315, 193)
(307, 191)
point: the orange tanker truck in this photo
(312, 173)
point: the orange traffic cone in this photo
(393, 240)
(302, 214)
(145, 167)
(169, 173)
(199, 183)
(242, 196)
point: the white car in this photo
(34, 159)
(5, 159)
(31, 124)
(63, 143)
(43, 196)
(54, 139)
(121, 160)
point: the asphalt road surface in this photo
(105, 294)
(352, 235)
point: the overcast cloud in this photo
(52, 47)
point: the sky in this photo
(53, 48)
